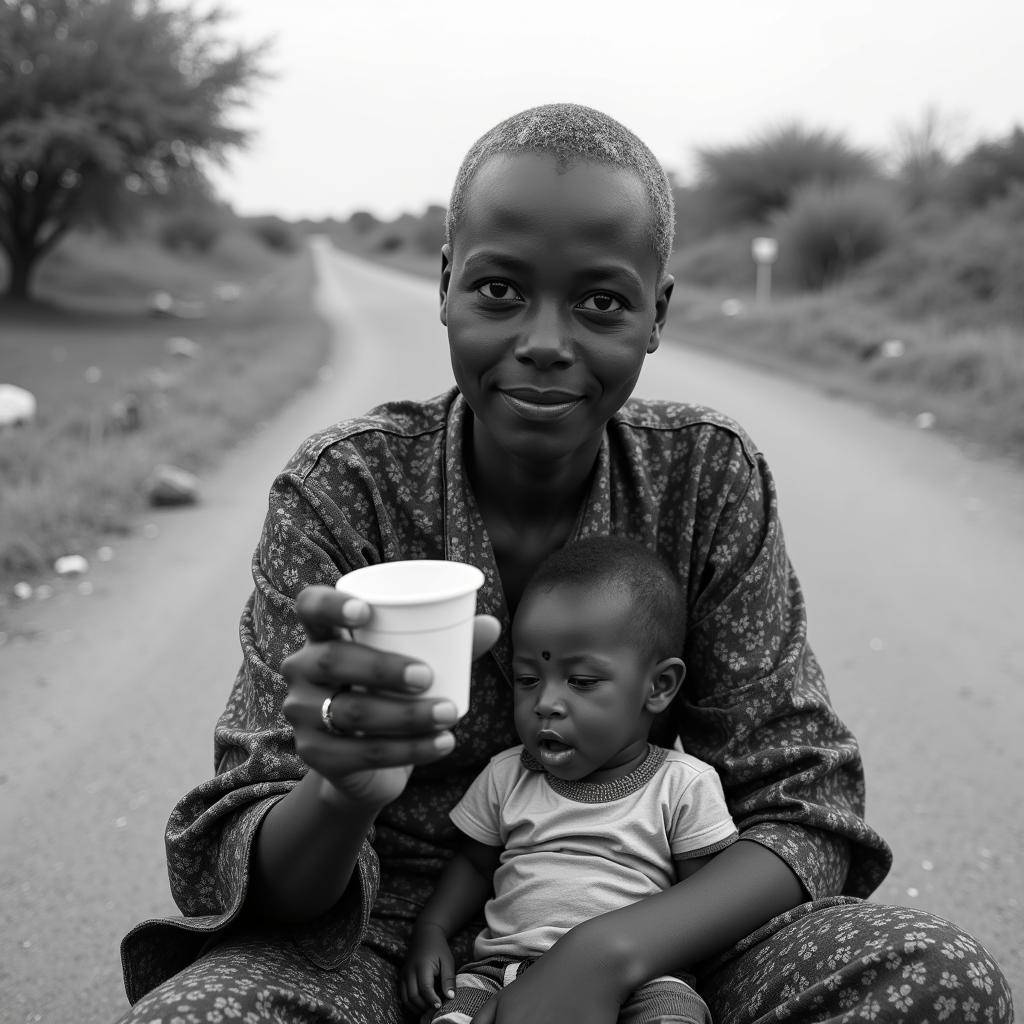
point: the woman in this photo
(302, 865)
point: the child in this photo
(301, 866)
(585, 815)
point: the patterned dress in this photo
(686, 482)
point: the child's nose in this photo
(550, 702)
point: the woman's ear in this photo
(668, 282)
(667, 677)
(446, 277)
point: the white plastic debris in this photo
(893, 348)
(71, 565)
(183, 348)
(731, 307)
(924, 420)
(17, 406)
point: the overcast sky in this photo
(376, 101)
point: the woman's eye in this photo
(601, 302)
(499, 291)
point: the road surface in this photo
(910, 553)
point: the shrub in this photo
(362, 222)
(968, 271)
(429, 233)
(722, 261)
(750, 182)
(830, 230)
(990, 170)
(190, 231)
(276, 234)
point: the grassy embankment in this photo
(76, 476)
(947, 295)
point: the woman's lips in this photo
(539, 406)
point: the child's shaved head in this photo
(571, 134)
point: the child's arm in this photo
(463, 888)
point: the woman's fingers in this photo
(486, 630)
(323, 611)
(338, 756)
(333, 664)
(360, 713)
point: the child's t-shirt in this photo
(574, 850)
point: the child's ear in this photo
(446, 277)
(668, 282)
(667, 677)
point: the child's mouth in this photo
(553, 752)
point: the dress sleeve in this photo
(755, 704)
(211, 831)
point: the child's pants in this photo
(665, 1000)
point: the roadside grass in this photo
(77, 475)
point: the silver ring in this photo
(325, 715)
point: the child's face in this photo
(584, 689)
(552, 297)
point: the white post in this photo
(765, 251)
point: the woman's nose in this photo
(545, 341)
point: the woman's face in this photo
(552, 298)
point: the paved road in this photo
(910, 553)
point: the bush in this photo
(190, 231)
(990, 170)
(971, 271)
(750, 182)
(830, 230)
(276, 234)
(362, 222)
(723, 261)
(429, 233)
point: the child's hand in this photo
(428, 975)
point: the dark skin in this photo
(553, 298)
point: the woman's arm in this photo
(732, 895)
(592, 969)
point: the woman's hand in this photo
(428, 974)
(384, 726)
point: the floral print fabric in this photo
(684, 480)
(839, 960)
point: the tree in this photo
(103, 100)
(748, 182)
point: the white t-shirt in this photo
(573, 850)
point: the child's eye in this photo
(601, 302)
(499, 291)
(583, 682)
(524, 682)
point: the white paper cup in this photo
(423, 609)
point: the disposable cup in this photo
(423, 609)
